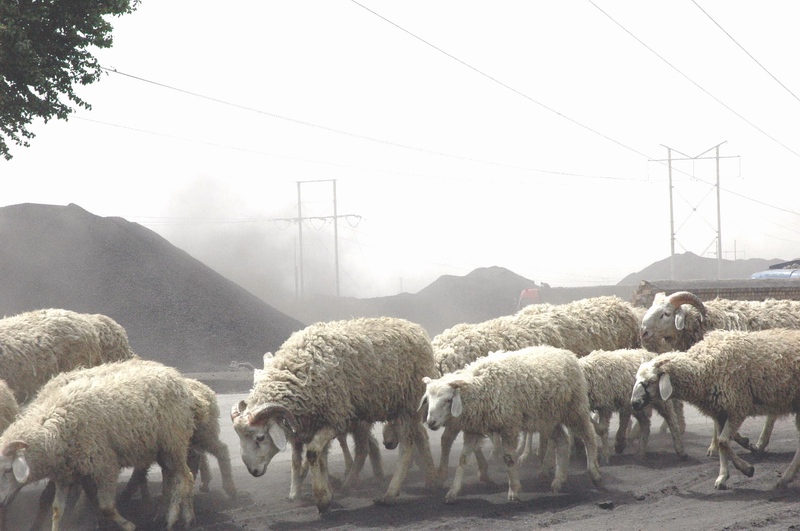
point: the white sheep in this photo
(610, 375)
(535, 389)
(730, 376)
(679, 321)
(327, 375)
(86, 430)
(597, 323)
(365, 444)
(39, 344)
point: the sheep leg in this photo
(101, 496)
(375, 459)
(766, 434)
(60, 494)
(205, 470)
(483, 466)
(448, 437)
(558, 438)
(730, 428)
(621, 439)
(422, 449)
(584, 430)
(219, 449)
(361, 436)
(601, 428)
(137, 481)
(526, 445)
(413, 437)
(713, 448)
(508, 441)
(471, 441)
(643, 421)
(521, 444)
(348, 457)
(791, 470)
(669, 410)
(299, 469)
(178, 490)
(547, 453)
(316, 454)
(45, 503)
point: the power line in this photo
(693, 82)
(745, 51)
(346, 133)
(502, 84)
(567, 117)
(350, 166)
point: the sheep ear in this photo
(680, 319)
(665, 386)
(456, 407)
(426, 380)
(21, 469)
(278, 435)
(266, 358)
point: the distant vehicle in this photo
(527, 297)
(777, 273)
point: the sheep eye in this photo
(260, 438)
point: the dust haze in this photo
(258, 245)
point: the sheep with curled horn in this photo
(681, 320)
(327, 375)
(365, 445)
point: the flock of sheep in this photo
(77, 404)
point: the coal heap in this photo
(176, 310)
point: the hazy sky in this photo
(459, 135)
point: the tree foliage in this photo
(45, 52)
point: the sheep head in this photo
(652, 383)
(443, 399)
(262, 433)
(391, 437)
(665, 317)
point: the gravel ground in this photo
(661, 492)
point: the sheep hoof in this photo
(450, 499)
(513, 497)
(720, 484)
(322, 508)
(781, 484)
(385, 501)
(749, 471)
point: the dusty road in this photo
(661, 492)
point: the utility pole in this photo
(669, 161)
(671, 221)
(300, 237)
(299, 280)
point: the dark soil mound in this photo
(176, 310)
